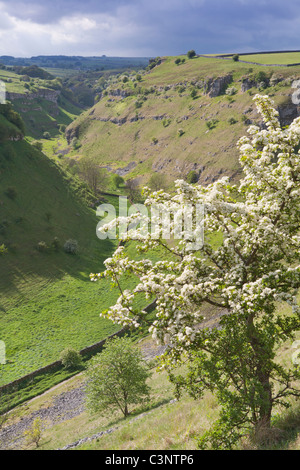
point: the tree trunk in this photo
(263, 418)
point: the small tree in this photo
(95, 176)
(157, 181)
(235, 57)
(34, 433)
(191, 54)
(117, 377)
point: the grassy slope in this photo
(47, 300)
(39, 115)
(174, 155)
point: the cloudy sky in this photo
(146, 27)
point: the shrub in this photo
(55, 244)
(117, 180)
(3, 249)
(42, 247)
(192, 177)
(235, 57)
(231, 91)
(11, 192)
(211, 124)
(180, 132)
(232, 120)
(71, 247)
(70, 358)
(194, 93)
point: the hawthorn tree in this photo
(247, 277)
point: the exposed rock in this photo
(287, 113)
(247, 83)
(72, 133)
(215, 87)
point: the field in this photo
(283, 58)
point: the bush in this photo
(55, 244)
(231, 91)
(235, 57)
(211, 124)
(192, 177)
(3, 249)
(42, 247)
(194, 93)
(71, 247)
(46, 135)
(11, 192)
(232, 120)
(70, 358)
(117, 180)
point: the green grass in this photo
(47, 300)
(283, 58)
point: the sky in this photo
(147, 28)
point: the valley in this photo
(171, 118)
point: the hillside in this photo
(46, 294)
(175, 117)
(41, 100)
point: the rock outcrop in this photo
(215, 87)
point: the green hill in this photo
(40, 99)
(47, 300)
(181, 115)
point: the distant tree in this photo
(192, 177)
(117, 180)
(138, 77)
(157, 181)
(133, 189)
(194, 93)
(95, 176)
(116, 377)
(177, 61)
(235, 57)
(191, 54)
